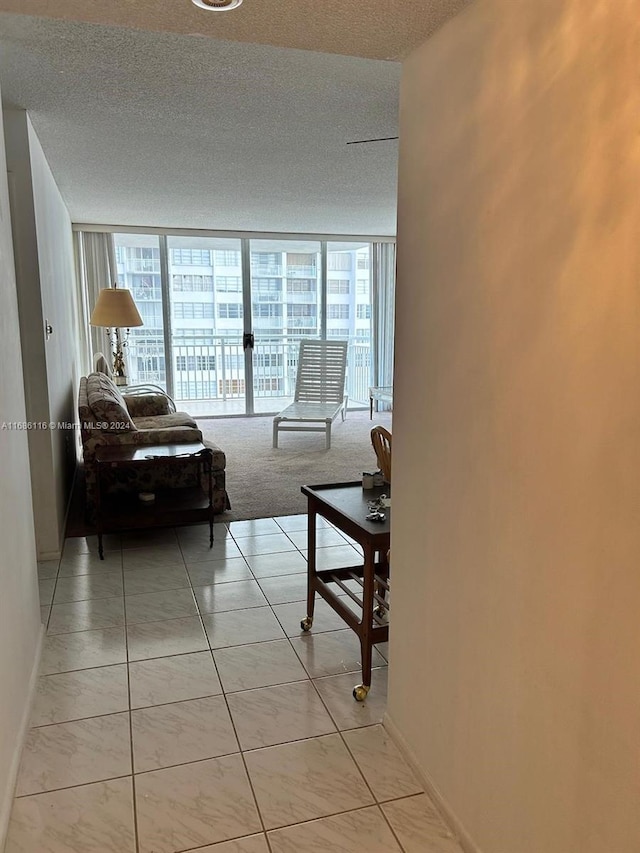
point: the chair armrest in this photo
(146, 405)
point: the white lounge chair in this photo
(319, 396)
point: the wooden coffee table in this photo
(172, 506)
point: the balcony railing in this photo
(267, 323)
(302, 322)
(142, 265)
(302, 296)
(273, 296)
(214, 371)
(302, 272)
(266, 270)
(147, 294)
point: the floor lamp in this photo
(116, 311)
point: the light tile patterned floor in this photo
(180, 707)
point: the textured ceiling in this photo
(181, 131)
(376, 29)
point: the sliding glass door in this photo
(206, 323)
(285, 297)
(223, 317)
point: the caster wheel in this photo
(379, 611)
(306, 624)
(360, 692)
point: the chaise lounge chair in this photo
(319, 395)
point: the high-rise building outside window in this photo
(206, 293)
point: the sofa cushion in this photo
(107, 404)
(173, 419)
(146, 405)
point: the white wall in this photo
(46, 292)
(60, 307)
(19, 614)
(515, 664)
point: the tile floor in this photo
(181, 708)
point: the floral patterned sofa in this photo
(109, 418)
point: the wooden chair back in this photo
(381, 441)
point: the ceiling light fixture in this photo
(217, 5)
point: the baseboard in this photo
(49, 555)
(448, 815)
(67, 512)
(67, 509)
(56, 555)
(7, 801)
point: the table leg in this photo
(370, 408)
(99, 509)
(360, 691)
(209, 464)
(307, 622)
(383, 574)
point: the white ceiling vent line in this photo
(217, 5)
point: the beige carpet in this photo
(263, 482)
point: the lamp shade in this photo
(115, 308)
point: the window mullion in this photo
(166, 313)
(323, 290)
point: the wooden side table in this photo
(180, 505)
(346, 506)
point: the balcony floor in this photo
(232, 406)
(237, 406)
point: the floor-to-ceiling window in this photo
(223, 316)
(349, 310)
(138, 267)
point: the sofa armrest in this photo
(170, 435)
(146, 405)
(140, 438)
